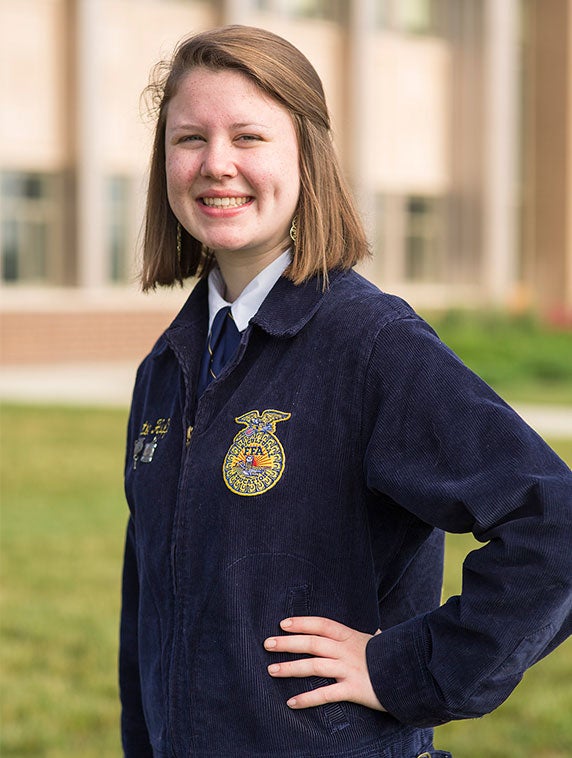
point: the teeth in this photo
(225, 202)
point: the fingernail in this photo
(291, 703)
(270, 643)
(286, 623)
(274, 669)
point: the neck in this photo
(238, 268)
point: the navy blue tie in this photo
(222, 342)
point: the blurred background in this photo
(452, 118)
(453, 122)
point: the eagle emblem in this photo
(255, 459)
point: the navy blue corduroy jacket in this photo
(314, 476)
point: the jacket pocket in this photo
(233, 705)
(299, 604)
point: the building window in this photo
(30, 227)
(325, 9)
(409, 16)
(424, 239)
(411, 238)
(118, 238)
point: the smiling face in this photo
(232, 165)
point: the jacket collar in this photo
(289, 307)
(285, 311)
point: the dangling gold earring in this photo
(179, 244)
(294, 230)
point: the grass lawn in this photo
(63, 518)
(524, 359)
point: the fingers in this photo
(312, 635)
(303, 644)
(333, 693)
(338, 653)
(318, 625)
(322, 667)
(327, 668)
(309, 635)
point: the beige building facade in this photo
(452, 118)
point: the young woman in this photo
(298, 441)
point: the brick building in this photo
(453, 121)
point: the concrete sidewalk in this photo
(69, 384)
(111, 385)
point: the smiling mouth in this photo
(224, 202)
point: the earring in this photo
(294, 230)
(179, 243)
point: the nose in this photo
(218, 161)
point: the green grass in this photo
(535, 720)
(63, 518)
(524, 359)
(62, 521)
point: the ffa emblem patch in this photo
(255, 460)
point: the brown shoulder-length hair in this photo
(329, 231)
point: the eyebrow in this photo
(249, 125)
(236, 125)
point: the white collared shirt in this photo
(250, 299)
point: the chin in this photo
(229, 247)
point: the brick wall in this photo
(86, 336)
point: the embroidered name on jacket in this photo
(255, 460)
(149, 436)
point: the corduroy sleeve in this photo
(442, 445)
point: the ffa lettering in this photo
(253, 450)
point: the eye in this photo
(248, 138)
(191, 138)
